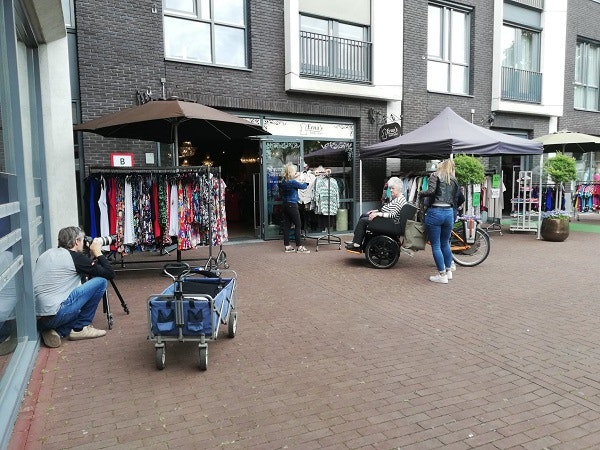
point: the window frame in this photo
(582, 81)
(445, 34)
(214, 26)
(535, 51)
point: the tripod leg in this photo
(106, 310)
(123, 304)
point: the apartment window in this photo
(521, 48)
(206, 31)
(587, 76)
(333, 49)
(448, 49)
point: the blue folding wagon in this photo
(191, 309)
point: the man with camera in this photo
(65, 302)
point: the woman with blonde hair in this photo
(445, 196)
(288, 188)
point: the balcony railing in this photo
(334, 58)
(521, 85)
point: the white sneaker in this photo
(88, 332)
(449, 274)
(51, 338)
(452, 267)
(438, 278)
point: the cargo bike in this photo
(192, 309)
(469, 243)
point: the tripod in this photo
(106, 304)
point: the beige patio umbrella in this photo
(568, 141)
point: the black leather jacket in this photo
(442, 193)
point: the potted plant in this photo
(469, 171)
(555, 224)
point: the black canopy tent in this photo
(448, 134)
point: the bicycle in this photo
(469, 252)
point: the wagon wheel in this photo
(203, 356)
(382, 252)
(232, 324)
(160, 357)
(222, 260)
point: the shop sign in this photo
(121, 159)
(317, 130)
(389, 131)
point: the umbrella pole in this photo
(539, 221)
(176, 144)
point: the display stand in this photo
(525, 208)
(212, 262)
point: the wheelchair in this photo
(382, 243)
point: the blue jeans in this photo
(439, 223)
(78, 310)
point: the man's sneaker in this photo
(438, 278)
(88, 332)
(51, 338)
(302, 249)
(449, 274)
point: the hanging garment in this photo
(128, 230)
(326, 196)
(173, 211)
(103, 207)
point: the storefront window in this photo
(337, 158)
(276, 155)
(10, 259)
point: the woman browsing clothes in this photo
(288, 186)
(389, 210)
(445, 196)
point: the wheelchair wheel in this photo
(382, 252)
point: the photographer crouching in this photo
(65, 303)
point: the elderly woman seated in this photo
(389, 210)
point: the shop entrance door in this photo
(275, 154)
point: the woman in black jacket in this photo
(445, 197)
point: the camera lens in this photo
(106, 240)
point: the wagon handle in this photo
(176, 270)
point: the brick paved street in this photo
(332, 354)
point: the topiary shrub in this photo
(469, 170)
(561, 168)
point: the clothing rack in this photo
(577, 195)
(330, 238)
(212, 262)
(152, 170)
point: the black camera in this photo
(106, 240)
